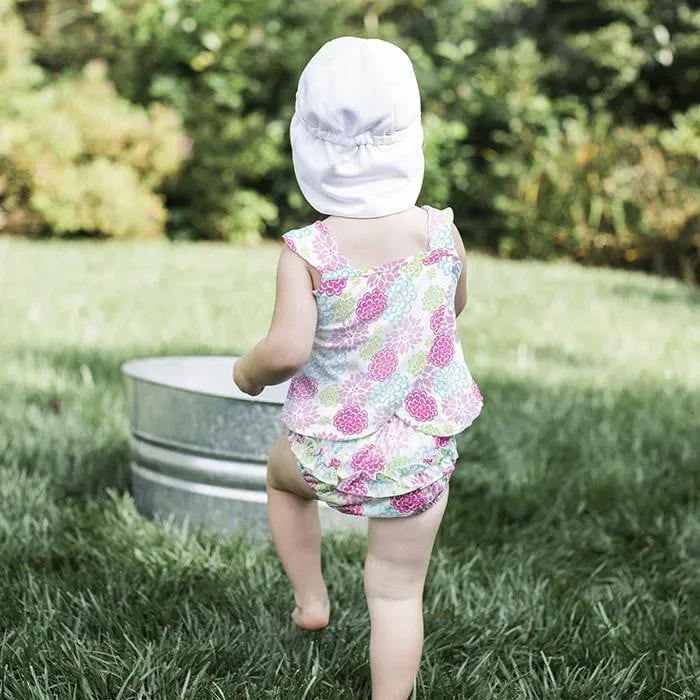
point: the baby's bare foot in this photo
(312, 616)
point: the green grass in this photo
(568, 565)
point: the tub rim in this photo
(274, 395)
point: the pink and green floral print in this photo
(386, 342)
(395, 472)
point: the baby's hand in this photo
(242, 382)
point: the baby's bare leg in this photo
(296, 532)
(397, 562)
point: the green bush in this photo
(74, 156)
(601, 194)
(553, 173)
(230, 69)
(513, 90)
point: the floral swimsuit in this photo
(374, 413)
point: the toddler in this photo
(364, 324)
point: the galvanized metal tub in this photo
(199, 445)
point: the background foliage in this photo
(75, 156)
(554, 128)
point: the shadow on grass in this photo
(685, 294)
(556, 355)
(76, 432)
(561, 494)
(536, 455)
(104, 366)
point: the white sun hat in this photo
(356, 133)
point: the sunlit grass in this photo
(568, 565)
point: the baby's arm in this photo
(461, 294)
(290, 338)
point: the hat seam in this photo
(360, 140)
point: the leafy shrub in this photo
(602, 195)
(547, 179)
(74, 156)
(509, 88)
(17, 71)
(230, 69)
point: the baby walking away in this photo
(364, 324)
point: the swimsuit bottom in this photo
(395, 472)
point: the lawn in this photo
(568, 565)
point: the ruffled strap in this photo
(440, 229)
(316, 246)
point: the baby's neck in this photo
(371, 242)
